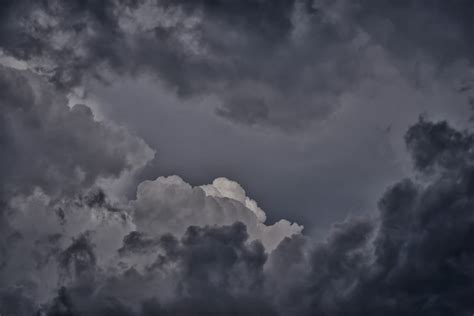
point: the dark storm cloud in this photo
(47, 144)
(27, 28)
(68, 41)
(347, 78)
(282, 64)
(79, 258)
(216, 271)
(415, 257)
(435, 146)
(67, 248)
(420, 260)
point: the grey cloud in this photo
(69, 247)
(248, 111)
(435, 146)
(215, 271)
(74, 245)
(438, 29)
(413, 257)
(419, 262)
(49, 145)
(49, 241)
(305, 177)
(14, 302)
(79, 258)
(352, 69)
(284, 65)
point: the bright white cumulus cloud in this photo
(170, 205)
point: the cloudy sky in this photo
(236, 157)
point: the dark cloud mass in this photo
(180, 41)
(89, 227)
(413, 258)
(291, 60)
(45, 143)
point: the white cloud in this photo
(170, 205)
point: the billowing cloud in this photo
(72, 243)
(60, 149)
(90, 257)
(209, 270)
(414, 258)
(284, 65)
(170, 205)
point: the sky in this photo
(236, 157)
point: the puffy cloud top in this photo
(170, 205)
